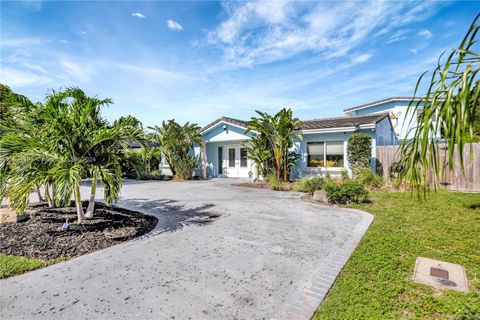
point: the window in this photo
(220, 160)
(231, 158)
(243, 157)
(316, 154)
(325, 154)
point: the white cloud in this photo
(361, 58)
(173, 25)
(398, 35)
(76, 71)
(425, 34)
(83, 32)
(414, 51)
(262, 32)
(138, 15)
(64, 41)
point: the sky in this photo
(200, 60)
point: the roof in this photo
(341, 122)
(382, 101)
(315, 124)
(236, 122)
(136, 145)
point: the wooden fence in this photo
(387, 156)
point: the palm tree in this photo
(450, 107)
(279, 130)
(76, 144)
(176, 142)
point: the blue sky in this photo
(196, 61)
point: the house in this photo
(403, 120)
(322, 149)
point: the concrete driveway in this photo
(218, 252)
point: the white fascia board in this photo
(351, 111)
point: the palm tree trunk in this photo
(78, 203)
(54, 194)
(91, 202)
(47, 196)
(40, 198)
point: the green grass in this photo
(13, 265)
(376, 282)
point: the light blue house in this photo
(322, 149)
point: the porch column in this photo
(203, 159)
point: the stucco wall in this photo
(301, 170)
(385, 134)
(399, 109)
(220, 136)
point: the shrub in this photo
(370, 179)
(359, 151)
(310, 185)
(277, 184)
(345, 192)
(185, 167)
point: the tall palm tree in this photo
(450, 107)
(279, 130)
(176, 142)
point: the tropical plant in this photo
(359, 152)
(279, 131)
(260, 153)
(449, 107)
(176, 142)
(63, 142)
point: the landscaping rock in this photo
(320, 196)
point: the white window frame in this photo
(325, 154)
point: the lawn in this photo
(376, 282)
(13, 265)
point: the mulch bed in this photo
(41, 236)
(255, 185)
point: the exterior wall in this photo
(301, 170)
(385, 134)
(402, 124)
(221, 135)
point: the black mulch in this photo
(41, 235)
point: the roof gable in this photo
(236, 122)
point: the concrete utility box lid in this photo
(440, 274)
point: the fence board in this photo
(469, 181)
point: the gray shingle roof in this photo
(326, 123)
(341, 122)
(233, 121)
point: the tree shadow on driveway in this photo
(172, 216)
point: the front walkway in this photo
(218, 252)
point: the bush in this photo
(370, 179)
(345, 192)
(185, 167)
(310, 185)
(359, 151)
(277, 184)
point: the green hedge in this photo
(359, 151)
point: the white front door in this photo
(236, 162)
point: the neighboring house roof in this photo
(350, 122)
(136, 145)
(379, 102)
(235, 122)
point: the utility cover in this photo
(440, 274)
